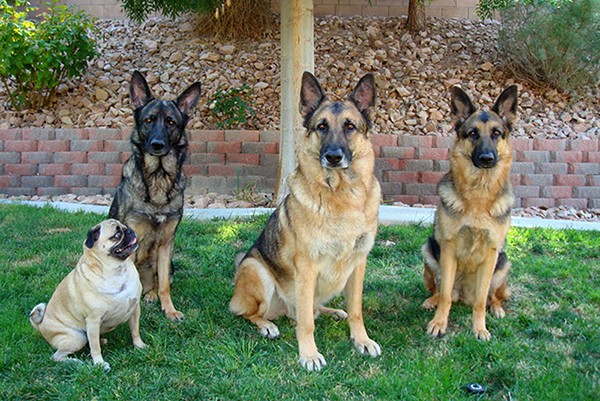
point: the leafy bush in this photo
(36, 57)
(221, 18)
(552, 42)
(232, 105)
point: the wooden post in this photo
(297, 56)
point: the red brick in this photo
(197, 147)
(124, 156)
(401, 176)
(20, 169)
(54, 146)
(431, 177)
(69, 157)
(108, 134)
(271, 148)
(206, 136)
(549, 144)
(387, 164)
(10, 134)
(566, 156)
(242, 136)
(117, 146)
(8, 181)
(113, 169)
(103, 181)
(222, 171)
(20, 146)
(70, 181)
(88, 169)
(592, 157)
(36, 157)
(522, 144)
(433, 153)
(573, 202)
(429, 200)
(556, 192)
(224, 147)
(570, 180)
(240, 158)
(55, 169)
(537, 202)
(38, 134)
(408, 199)
(590, 145)
(384, 140)
(190, 169)
(515, 179)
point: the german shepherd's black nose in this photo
(157, 145)
(334, 156)
(487, 159)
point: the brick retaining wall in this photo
(88, 162)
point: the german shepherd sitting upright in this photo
(464, 259)
(149, 198)
(316, 242)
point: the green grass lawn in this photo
(547, 347)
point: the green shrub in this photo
(37, 56)
(552, 42)
(232, 106)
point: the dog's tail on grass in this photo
(37, 315)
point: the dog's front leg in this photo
(134, 327)
(484, 278)
(448, 265)
(92, 328)
(165, 254)
(305, 285)
(354, 294)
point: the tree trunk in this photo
(416, 15)
(297, 56)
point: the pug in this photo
(102, 292)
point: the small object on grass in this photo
(476, 388)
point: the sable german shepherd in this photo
(464, 259)
(149, 198)
(316, 242)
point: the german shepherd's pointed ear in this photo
(189, 98)
(92, 236)
(311, 96)
(139, 90)
(506, 105)
(363, 95)
(461, 106)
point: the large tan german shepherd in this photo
(464, 259)
(315, 244)
(149, 198)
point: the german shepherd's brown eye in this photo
(322, 127)
(170, 121)
(496, 133)
(350, 127)
(149, 119)
(473, 134)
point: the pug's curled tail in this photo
(37, 314)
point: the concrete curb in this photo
(387, 215)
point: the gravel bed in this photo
(413, 72)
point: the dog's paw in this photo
(437, 328)
(313, 362)
(429, 304)
(497, 311)
(104, 365)
(174, 315)
(269, 330)
(150, 297)
(482, 334)
(139, 344)
(367, 346)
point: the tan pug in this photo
(102, 292)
